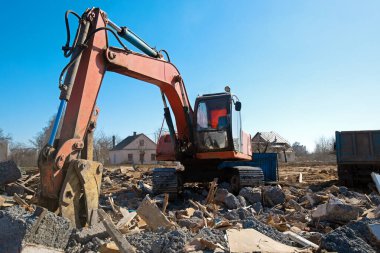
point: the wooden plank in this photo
(37, 223)
(152, 215)
(30, 178)
(166, 202)
(2, 201)
(126, 219)
(19, 200)
(300, 240)
(201, 207)
(121, 242)
(110, 247)
(25, 188)
(212, 191)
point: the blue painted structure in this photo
(61, 109)
(266, 161)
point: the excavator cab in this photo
(217, 126)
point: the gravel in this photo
(351, 238)
(16, 228)
(267, 230)
(160, 241)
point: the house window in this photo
(141, 142)
(153, 157)
(130, 157)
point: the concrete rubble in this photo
(293, 216)
(9, 172)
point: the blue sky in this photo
(301, 68)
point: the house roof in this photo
(272, 137)
(121, 145)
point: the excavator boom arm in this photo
(87, 75)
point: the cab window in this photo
(212, 124)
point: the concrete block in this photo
(9, 172)
(375, 231)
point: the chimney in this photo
(134, 133)
(113, 141)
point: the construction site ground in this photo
(306, 211)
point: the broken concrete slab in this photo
(273, 196)
(18, 226)
(192, 223)
(293, 205)
(375, 231)
(86, 234)
(353, 237)
(252, 195)
(220, 195)
(336, 211)
(152, 215)
(161, 240)
(231, 201)
(9, 172)
(34, 248)
(267, 230)
(251, 240)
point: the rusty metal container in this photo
(358, 154)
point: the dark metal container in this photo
(358, 154)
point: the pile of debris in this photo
(271, 218)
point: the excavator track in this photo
(246, 176)
(166, 180)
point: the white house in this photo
(135, 149)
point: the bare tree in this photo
(299, 150)
(4, 136)
(23, 155)
(324, 148)
(102, 146)
(324, 145)
(159, 132)
(42, 137)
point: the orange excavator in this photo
(206, 140)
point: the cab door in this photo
(212, 123)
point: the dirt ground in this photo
(312, 173)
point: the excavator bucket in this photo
(80, 192)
